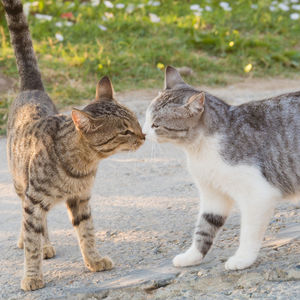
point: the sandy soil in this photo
(144, 206)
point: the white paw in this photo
(238, 262)
(191, 257)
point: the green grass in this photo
(216, 45)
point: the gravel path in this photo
(144, 206)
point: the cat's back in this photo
(268, 114)
(266, 134)
(31, 122)
(28, 107)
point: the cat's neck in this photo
(215, 120)
(216, 115)
(75, 156)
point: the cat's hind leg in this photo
(19, 192)
(255, 216)
(33, 215)
(80, 214)
(20, 243)
(48, 249)
(214, 209)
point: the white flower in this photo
(26, 8)
(154, 3)
(108, 4)
(154, 18)
(43, 17)
(195, 7)
(58, 24)
(254, 6)
(272, 8)
(225, 6)
(197, 13)
(294, 1)
(120, 5)
(296, 6)
(71, 5)
(274, 2)
(103, 28)
(208, 8)
(295, 16)
(130, 8)
(95, 2)
(66, 23)
(283, 7)
(59, 37)
(141, 5)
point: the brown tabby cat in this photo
(54, 157)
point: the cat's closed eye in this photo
(154, 126)
(126, 132)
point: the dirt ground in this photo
(144, 206)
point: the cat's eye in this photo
(154, 126)
(126, 132)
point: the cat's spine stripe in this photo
(29, 73)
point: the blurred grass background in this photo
(77, 42)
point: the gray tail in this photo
(30, 76)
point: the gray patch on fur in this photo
(264, 134)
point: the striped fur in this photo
(247, 154)
(30, 76)
(54, 158)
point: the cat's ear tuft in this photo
(81, 120)
(104, 89)
(195, 104)
(172, 77)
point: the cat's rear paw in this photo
(48, 251)
(100, 264)
(191, 257)
(32, 283)
(237, 262)
(20, 244)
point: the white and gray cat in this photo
(247, 155)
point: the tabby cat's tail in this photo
(30, 76)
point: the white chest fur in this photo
(236, 181)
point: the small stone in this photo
(249, 280)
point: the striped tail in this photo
(30, 76)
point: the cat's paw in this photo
(191, 257)
(48, 251)
(20, 243)
(100, 264)
(238, 262)
(32, 283)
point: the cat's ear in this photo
(81, 120)
(104, 89)
(172, 77)
(195, 104)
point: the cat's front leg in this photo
(214, 209)
(33, 215)
(80, 213)
(255, 216)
